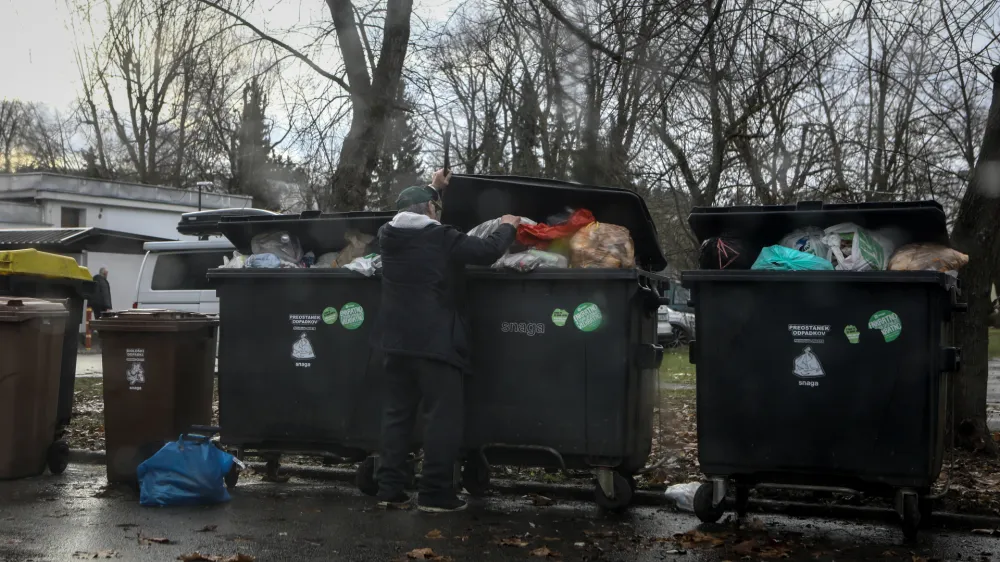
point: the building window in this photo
(71, 218)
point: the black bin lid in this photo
(206, 223)
(474, 199)
(317, 232)
(901, 223)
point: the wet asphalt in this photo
(73, 516)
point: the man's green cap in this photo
(416, 195)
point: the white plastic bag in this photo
(491, 226)
(238, 261)
(808, 240)
(853, 248)
(366, 265)
(328, 259)
(530, 260)
(683, 495)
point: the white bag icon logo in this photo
(807, 365)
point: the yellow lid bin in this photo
(33, 262)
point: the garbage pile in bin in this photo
(282, 250)
(842, 247)
(573, 238)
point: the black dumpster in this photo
(565, 360)
(826, 380)
(41, 275)
(296, 371)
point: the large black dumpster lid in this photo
(316, 232)
(474, 199)
(902, 223)
(206, 223)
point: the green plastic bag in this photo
(780, 258)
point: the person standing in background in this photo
(101, 301)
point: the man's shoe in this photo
(399, 501)
(446, 506)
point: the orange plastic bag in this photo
(541, 235)
(602, 245)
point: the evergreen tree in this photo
(253, 152)
(399, 166)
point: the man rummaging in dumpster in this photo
(422, 332)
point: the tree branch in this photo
(274, 41)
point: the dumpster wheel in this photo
(475, 476)
(232, 477)
(911, 515)
(57, 457)
(703, 507)
(623, 494)
(364, 477)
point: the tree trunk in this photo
(371, 102)
(976, 233)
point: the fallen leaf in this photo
(544, 552)
(434, 534)
(512, 541)
(145, 541)
(746, 547)
(207, 529)
(425, 554)
(541, 501)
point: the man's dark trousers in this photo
(408, 379)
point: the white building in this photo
(147, 212)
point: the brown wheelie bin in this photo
(158, 371)
(31, 338)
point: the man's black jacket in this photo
(423, 286)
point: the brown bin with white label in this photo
(31, 337)
(159, 367)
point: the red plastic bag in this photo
(541, 235)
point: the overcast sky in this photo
(37, 42)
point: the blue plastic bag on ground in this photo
(189, 471)
(780, 258)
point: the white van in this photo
(173, 275)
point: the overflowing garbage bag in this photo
(491, 226)
(263, 261)
(282, 244)
(809, 240)
(853, 248)
(780, 258)
(723, 252)
(530, 260)
(189, 471)
(539, 236)
(366, 265)
(602, 245)
(238, 261)
(928, 257)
